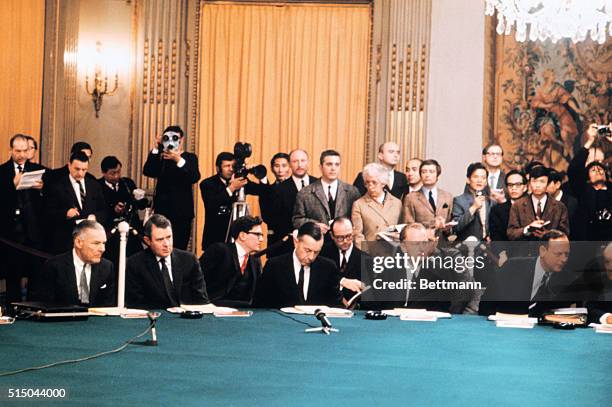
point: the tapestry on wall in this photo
(540, 97)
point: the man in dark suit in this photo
(527, 285)
(471, 209)
(533, 215)
(284, 195)
(219, 194)
(80, 276)
(301, 277)
(53, 175)
(19, 217)
(162, 276)
(72, 197)
(176, 172)
(389, 156)
(327, 198)
(555, 179)
(347, 258)
(123, 200)
(268, 201)
(590, 184)
(230, 269)
(516, 183)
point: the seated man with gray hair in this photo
(80, 276)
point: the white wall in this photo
(454, 118)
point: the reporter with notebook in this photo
(301, 277)
(80, 276)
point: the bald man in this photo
(389, 156)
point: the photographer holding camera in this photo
(222, 190)
(176, 171)
(587, 173)
(123, 200)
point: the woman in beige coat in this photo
(377, 209)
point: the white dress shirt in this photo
(77, 190)
(241, 254)
(298, 181)
(296, 270)
(334, 188)
(434, 192)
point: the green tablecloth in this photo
(267, 359)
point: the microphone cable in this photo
(83, 359)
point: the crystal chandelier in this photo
(554, 19)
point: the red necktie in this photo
(245, 260)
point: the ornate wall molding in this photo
(399, 76)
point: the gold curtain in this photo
(282, 77)
(21, 68)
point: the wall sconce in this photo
(100, 82)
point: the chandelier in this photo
(554, 19)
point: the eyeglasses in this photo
(258, 234)
(343, 238)
(495, 154)
(515, 185)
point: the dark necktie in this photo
(170, 291)
(19, 168)
(303, 185)
(343, 263)
(83, 287)
(301, 286)
(543, 289)
(331, 203)
(432, 202)
(539, 210)
(82, 193)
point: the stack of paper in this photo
(204, 308)
(570, 311)
(513, 320)
(310, 310)
(118, 312)
(416, 314)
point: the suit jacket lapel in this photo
(177, 277)
(425, 201)
(71, 277)
(320, 194)
(157, 277)
(340, 199)
(70, 191)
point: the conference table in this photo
(267, 359)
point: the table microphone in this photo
(320, 315)
(152, 319)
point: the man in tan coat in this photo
(430, 206)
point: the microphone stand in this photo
(326, 327)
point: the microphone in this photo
(152, 319)
(322, 317)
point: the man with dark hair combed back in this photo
(301, 277)
(162, 276)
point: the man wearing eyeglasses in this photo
(516, 182)
(346, 256)
(230, 269)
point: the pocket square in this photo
(103, 287)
